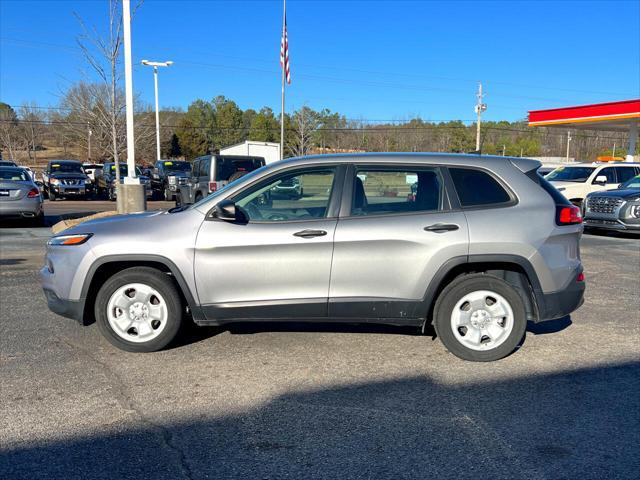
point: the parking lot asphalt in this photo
(267, 401)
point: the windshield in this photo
(124, 169)
(177, 166)
(631, 183)
(570, 174)
(66, 167)
(13, 174)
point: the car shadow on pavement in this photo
(5, 262)
(578, 424)
(549, 326)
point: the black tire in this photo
(155, 279)
(111, 195)
(198, 197)
(454, 292)
(38, 221)
(51, 195)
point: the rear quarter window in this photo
(477, 188)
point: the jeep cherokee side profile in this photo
(475, 245)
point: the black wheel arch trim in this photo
(436, 283)
(194, 306)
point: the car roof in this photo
(9, 168)
(66, 161)
(458, 159)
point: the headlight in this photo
(634, 211)
(54, 181)
(87, 181)
(172, 179)
(70, 239)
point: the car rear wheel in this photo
(480, 318)
(51, 195)
(139, 310)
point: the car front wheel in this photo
(139, 310)
(480, 318)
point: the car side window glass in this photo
(289, 197)
(205, 165)
(624, 174)
(607, 172)
(392, 191)
(477, 188)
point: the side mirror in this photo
(601, 180)
(226, 210)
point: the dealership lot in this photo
(300, 401)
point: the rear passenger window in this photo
(396, 191)
(625, 173)
(476, 188)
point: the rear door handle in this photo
(441, 227)
(310, 233)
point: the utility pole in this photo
(614, 149)
(504, 149)
(479, 108)
(568, 144)
(155, 66)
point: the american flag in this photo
(284, 52)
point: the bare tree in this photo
(304, 125)
(32, 127)
(102, 53)
(10, 137)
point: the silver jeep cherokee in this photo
(475, 245)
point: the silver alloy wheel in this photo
(482, 320)
(137, 312)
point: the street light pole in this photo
(155, 66)
(131, 194)
(479, 108)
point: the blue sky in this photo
(376, 60)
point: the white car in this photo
(576, 181)
(90, 169)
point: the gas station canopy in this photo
(616, 116)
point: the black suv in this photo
(66, 178)
(167, 176)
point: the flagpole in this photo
(284, 16)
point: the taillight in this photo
(33, 193)
(213, 186)
(580, 277)
(568, 215)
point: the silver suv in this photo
(475, 245)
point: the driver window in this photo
(289, 197)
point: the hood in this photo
(627, 193)
(104, 224)
(566, 185)
(180, 173)
(68, 175)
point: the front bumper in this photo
(73, 309)
(562, 302)
(72, 190)
(608, 224)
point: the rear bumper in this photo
(562, 302)
(25, 208)
(73, 309)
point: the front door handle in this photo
(441, 227)
(310, 233)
